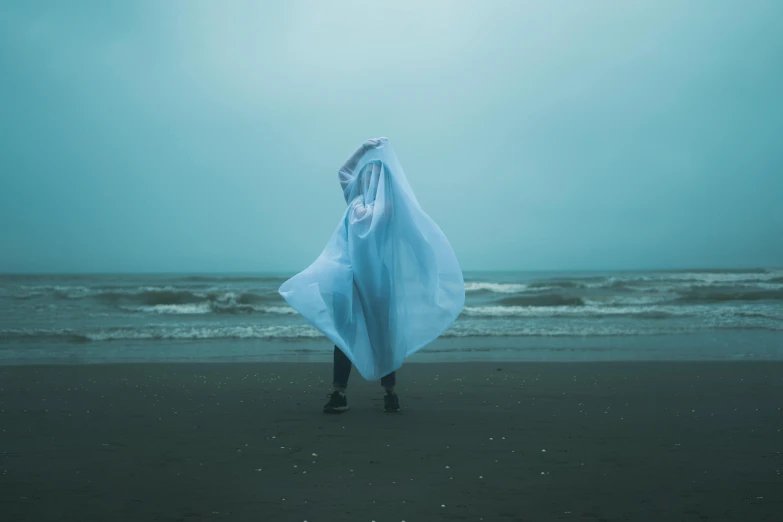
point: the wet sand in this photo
(498, 442)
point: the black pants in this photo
(342, 370)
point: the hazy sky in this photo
(206, 136)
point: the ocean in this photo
(653, 315)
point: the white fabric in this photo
(388, 282)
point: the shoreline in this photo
(725, 345)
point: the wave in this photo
(210, 308)
(475, 328)
(542, 300)
(513, 288)
(698, 311)
(171, 296)
(68, 292)
(566, 329)
(727, 294)
(178, 309)
(233, 279)
(706, 278)
(503, 288)
(627, 300)
(151, 295)
(27, 295)
(166, 333)
(663, 283)
(564, 283)
(717, 271)
(638, 312)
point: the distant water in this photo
(127, 317)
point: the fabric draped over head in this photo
(388, 282)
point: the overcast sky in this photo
(206, 136)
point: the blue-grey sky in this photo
(206, 136)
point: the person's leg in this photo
(391, 402)
(338, 403)
(341, 370)
(389, 381)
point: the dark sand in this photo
(637, 442)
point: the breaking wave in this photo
(182, 333)
(303, 332)
(503, 288)
(211, 307)
(576, 311)
(150, 295)
(726, 294)
(542, 300)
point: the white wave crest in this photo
(575, 311)
(208, 307)
(282, 310)
(641, 312)
(504, 288)
(174, 309)
(205, 333)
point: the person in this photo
(364, 207)
(387, 283)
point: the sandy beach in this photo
(517, 442)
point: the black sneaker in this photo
(391, 403)
(338, 403)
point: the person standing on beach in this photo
(388, 282)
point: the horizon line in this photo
(755, 268)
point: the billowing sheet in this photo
(388, 282)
